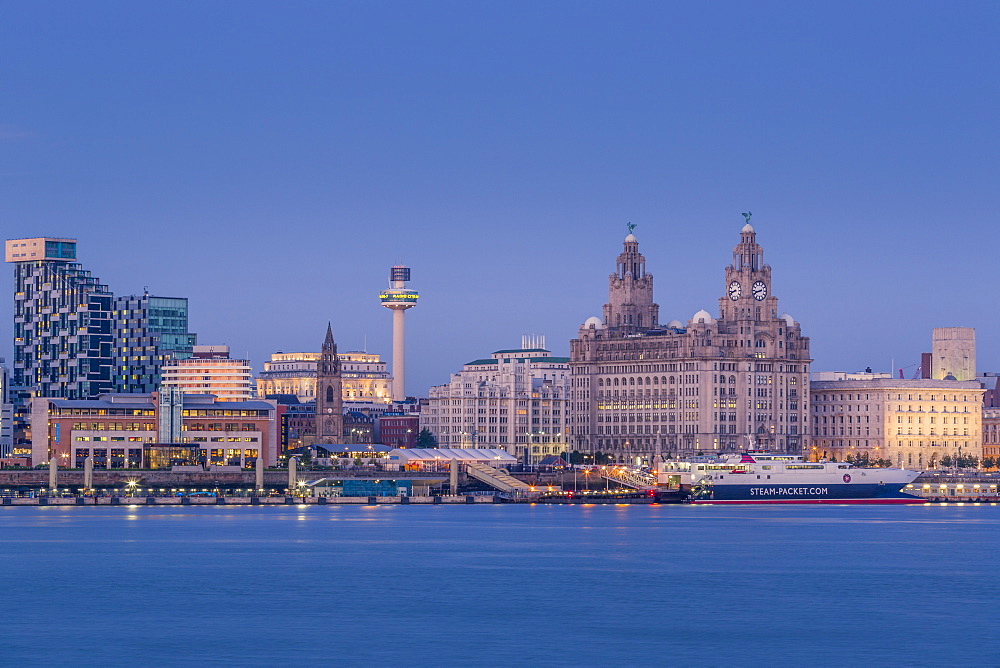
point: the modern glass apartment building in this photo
(62, 325)
(149, 331)
(6, 413)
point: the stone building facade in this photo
(991, 432)
(329, 394)
(640, 389)
(515, 400)
(364, 377)
(913, 423)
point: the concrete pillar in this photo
(88, 473)
(259, 478)
(53, 473)
(453, 476)
(292, 477)
(398, 354)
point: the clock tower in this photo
(329, 398)
(748, 282)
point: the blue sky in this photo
(270, 161)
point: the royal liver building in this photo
(639, 388)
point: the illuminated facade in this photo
(912, 423)
(954, 353)
(641, 389)
(515, 400)
(290, 374)
(113, 429)
(363, 375)
(210, 370)
(62, 326)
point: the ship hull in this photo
(804, 493)
(900, 500)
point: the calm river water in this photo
(501, 585)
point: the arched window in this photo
(631, 381)
(671, 380)
(329, 393)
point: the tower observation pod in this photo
(398, 298)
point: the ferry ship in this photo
(758, 476)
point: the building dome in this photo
(788, 319)
(593, 322)
(950, 377)
(631, 239)
(702, 316)
(748, 228)
(675, 324)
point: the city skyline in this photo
(275, 166)
(259, 352)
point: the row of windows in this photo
(827, 396)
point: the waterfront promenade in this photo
(153, 500)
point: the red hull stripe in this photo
(800, 501)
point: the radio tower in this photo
(398, 298)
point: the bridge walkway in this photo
(497, 478)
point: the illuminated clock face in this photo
(329, 410)
(759, 290)
(734, 290)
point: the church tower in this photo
(748, 295)
(329, 399)
(630, 304)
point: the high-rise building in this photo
(210, 370)
(641, 389)
(62, 326)
(398, 299)
(6, 413)
(149, 331)
(329, 394)
(514, 399)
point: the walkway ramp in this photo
(497, 478)
(630, 477)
